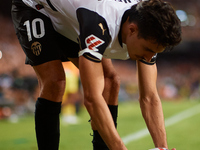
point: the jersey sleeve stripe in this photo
(93, 53)
(50, 5)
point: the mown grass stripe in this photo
(168, 122)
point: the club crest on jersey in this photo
(36, 48)
(92, 42)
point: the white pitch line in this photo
(168, 122)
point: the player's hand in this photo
(173, 149)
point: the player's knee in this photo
(114, 81)
(53, 87)
(59, 83)
(111, 90)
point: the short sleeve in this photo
(152, 62)
(94, 34)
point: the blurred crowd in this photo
(178, 73)
(190, 16)
(177, 79)
(18, 83)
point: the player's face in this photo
(139, 48)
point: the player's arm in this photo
(150, 103)
(93, 84)
(94, 38)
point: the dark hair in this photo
(157, 21)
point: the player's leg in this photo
(111, 89)
(39, 42)
(51, 79)
(110, 93)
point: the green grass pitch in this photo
(183, 135)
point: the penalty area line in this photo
(168, 122)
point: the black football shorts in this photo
(40, 42)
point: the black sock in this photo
(47, 124)
(98, 143)
(114, 112)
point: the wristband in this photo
(159, 149)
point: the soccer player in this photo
(45, 51)
(107, 29)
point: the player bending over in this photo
(103, 29)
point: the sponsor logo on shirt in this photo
(101, 26)
(92, 42)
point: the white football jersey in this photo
(95, 23)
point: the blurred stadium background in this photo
(178, 71)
